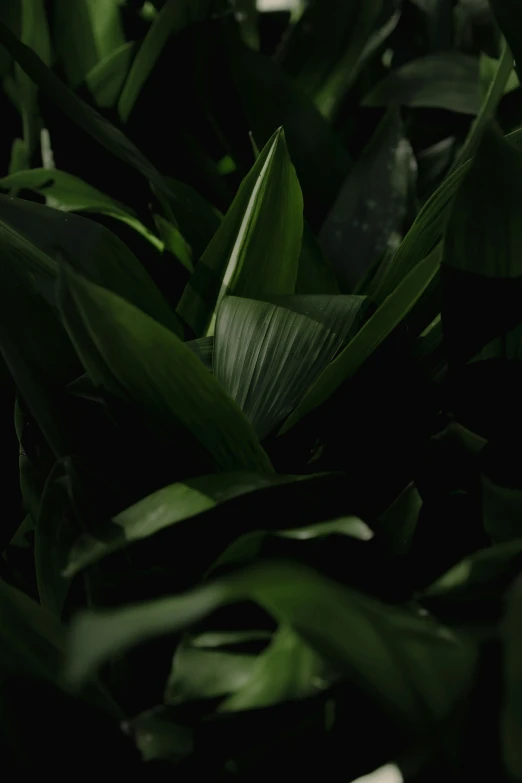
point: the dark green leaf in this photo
(173, 18)
(390, 313)
(448, 80)
(369, 212)
(167, 507)
(203, 347)
(85, 32)
(501, 511)
(268, 354)
(511, 717)
(159, 737)
(77, 110)
(35, 34)
(72, 194)
(106, 79)
(255, 251)
(315, 274)
(132, 356)
(89, 247)
(388, 651)
(508, 14)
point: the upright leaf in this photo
(106, 79)
(85, 32)
(268, 354)
(35, 34)
(255, 251)
(132, 356)
(369, 211)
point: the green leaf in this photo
(272, 99)
(106, 79)
(501, 511)
(159, 737)
(478, 222)
(427, 228)
(447, 80)
(287, 670)
(368, 214)
(385, 319)
(203, 347)
(398, 523)
(74, 195)
(172, 19)
(489, 67)
(268, 354)
(511, 716)
(494, 93)
(54, 534)
(132, 356)
(315, 274)
(206, 673)
(85, 32)
(167, 507)
(173, 241)
(413, 668)
(43, 236)
(77, 110)
(35, 34)
(508, 14)
(255, 251)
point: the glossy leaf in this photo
(167, 507)
(255, 251)
(268, 354)
(85, 32)
(390, 313)
(386, 650)
(172, 18)
(371, 206)
(73, 194)
(134, 357)
(448, 80)
(43, 236)
(106, 79)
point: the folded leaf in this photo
(268, 354)
(133, 357)
(106, 79)
(255, 251)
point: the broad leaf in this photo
(448, 80)
(268, 354)
(73, 194)
(368, 214)
(85, 32)
(387, 650)
(132, 356)
(385, 319)
(43, 236)
(167, 507)
(255, 251)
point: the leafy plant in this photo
(260, 326)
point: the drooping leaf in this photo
(390, 313)
(387, 650)
(172, 18)
(268, 354)
(173, 241)
(73, 194)
(77, 110)
(106, 79)
(135, 358)
(448, 80)
(371, 206)
(167, 507)
(255, 251)
(85, 33)
(44, 236)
